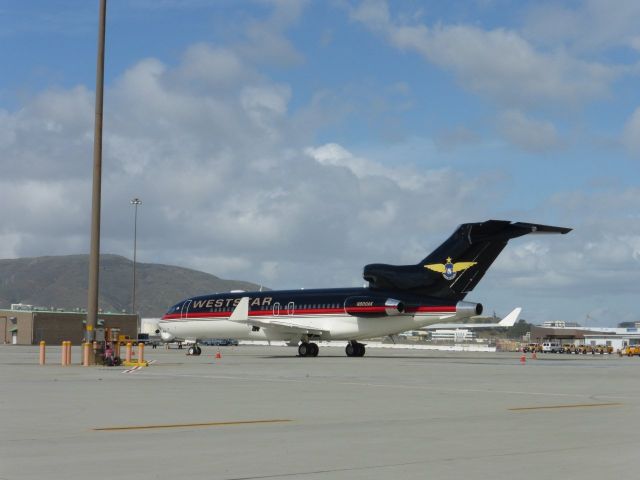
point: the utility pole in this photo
(135, 202)
(94, 255)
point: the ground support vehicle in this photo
(551, 347)
(602, 349)
(531, 348)
(629, 351)
(584, 349)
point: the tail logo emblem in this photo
(449, 270)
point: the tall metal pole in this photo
(135, 202)
(94, 255)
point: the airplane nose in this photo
(166, 336)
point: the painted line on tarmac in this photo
(186, 425)
(577, 405)
(132, 370)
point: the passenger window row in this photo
(312, 306)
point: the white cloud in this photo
(212, 67)
(226, 181)
(266, 42)
(601, 255)
(594, 270)
(336, 155)
(39, 138)
(10, 243)
(591, 25)
(499, 64)
(528, 134)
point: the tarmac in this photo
(263, 413)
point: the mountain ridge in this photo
(61, 282)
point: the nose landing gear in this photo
(355, 349)
(306, 349)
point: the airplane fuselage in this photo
(326, 314)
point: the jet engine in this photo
(468, 309)
(373, 307)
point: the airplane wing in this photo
(511, 319)
(287, 326)
(508, 321)
(241, 314)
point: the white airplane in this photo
(398, 298)
(508, 321)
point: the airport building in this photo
(617, 338)
(28, 325)
(459, 335)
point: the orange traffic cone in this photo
(218, 355)
(523, 359)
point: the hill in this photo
(61, 282)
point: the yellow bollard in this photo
(63, 355)
(86, 348)
(141, 352)
(68, 352)
(116, 349)
(42, 352)
(128, 352)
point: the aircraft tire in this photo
(314, 349)
(198, 350)
(191, 351)
(355, 349)
(350, 350)
(304, 349)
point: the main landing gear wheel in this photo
(355, 349)
(308, 349)
(195, 350)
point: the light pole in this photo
(94, 253)
(135, 202)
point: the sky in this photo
(290, 143)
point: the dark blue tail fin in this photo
(454, 268)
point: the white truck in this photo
(551, 347)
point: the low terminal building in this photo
(617, 338)
(27, 325)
